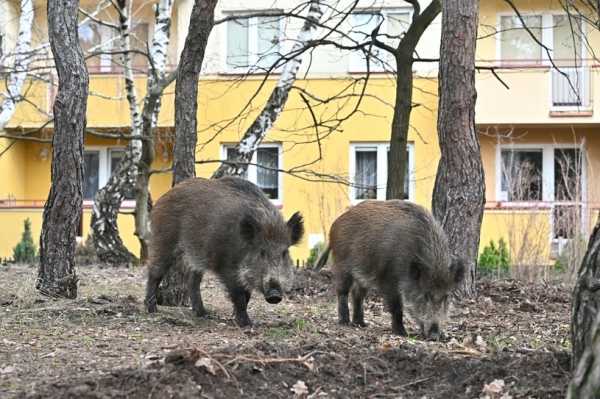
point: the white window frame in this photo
(357, 63)
(253, 166)
(548, 194)
(382, 171)
(104, 170)
(253, 55)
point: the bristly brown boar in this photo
(398, 247)
(227, 226)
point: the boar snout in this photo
(274, 293)
(434, 332)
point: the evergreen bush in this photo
(25, 251)
(494, 261)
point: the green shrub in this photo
(25, 251)
(571, 256)
(314, 254)
(494, 261)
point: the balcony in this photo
(538, 95)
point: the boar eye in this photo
(263, 253)
(427, 297)
(284, 253)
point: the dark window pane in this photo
(267, 176)
(365, 178)
(567, 174)
(522, 174)
(91, 174)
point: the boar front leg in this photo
(240, 298)
(395, 306)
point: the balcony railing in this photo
(571, 88)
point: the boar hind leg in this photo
(359, 293)
(240, 299)
(395, 307)
(343, 288)
(195, 296)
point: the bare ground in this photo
(512, 342)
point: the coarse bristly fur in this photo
(399, 248)
(227, 226)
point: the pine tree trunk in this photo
(56, 271)
(586, 299)
(186, 90)
(173, 291)
(459, 191)
(403, 103)
(585, 382)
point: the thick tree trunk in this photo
(459, 191)
(16, 77)
(586, 376)
(403, 105)
(586, 299)
(237, 162)
(56, 271)
(173, 292)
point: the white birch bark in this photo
(133, 169)
(237, 163)
(22, 57)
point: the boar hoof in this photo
(360, 323)
(400, 330)
(203, 313)
(151, 307)
(243, 321)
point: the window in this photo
(393, 25)
(550, 173)
(517, 46)
(99, 163)
(101, 47)
(263, 169)
(252, 43)
(368, 170)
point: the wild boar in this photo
(227, 226)
(400, 249)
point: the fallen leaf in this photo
(7, 370)
(384, 348)
(299, 389)
(206, 364)
(494, 388)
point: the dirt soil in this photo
(512, 342)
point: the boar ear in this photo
(296, 227)
(249, 227)
(457, 268)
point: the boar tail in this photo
(323, 258)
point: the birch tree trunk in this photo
(109, 245)
(404, 88)
(56, 270)
(172, 291)
(152, 101)
(586, 301)
(237, 162)
(16, 77)
(133, 170)
(459, 191)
